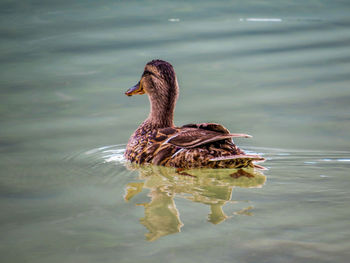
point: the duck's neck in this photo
(162, 109)
(162, 112)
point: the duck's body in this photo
(157, 141)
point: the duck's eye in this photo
(146, 73)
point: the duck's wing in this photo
(208, 126)
(194, 137)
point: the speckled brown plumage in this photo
(157, 141)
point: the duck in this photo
(157, 141)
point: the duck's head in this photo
(158, 78)
(159, 82)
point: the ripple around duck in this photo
(102, 165)
(302, 157)
(106, 166)
(114, 154)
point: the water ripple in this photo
(114, 154)
(306, 157)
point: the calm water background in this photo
(279, 70)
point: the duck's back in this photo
(190, 146)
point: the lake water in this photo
(278, 70)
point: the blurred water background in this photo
(279, 70)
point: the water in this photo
(278, 70)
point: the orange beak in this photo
(137, 89)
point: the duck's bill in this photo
(137, 89)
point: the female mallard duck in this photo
(157, 141)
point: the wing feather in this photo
(194, 137)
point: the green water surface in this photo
(278, 70)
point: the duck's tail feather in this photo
(260, 167)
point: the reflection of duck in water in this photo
(158, 141)
(208, 186)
